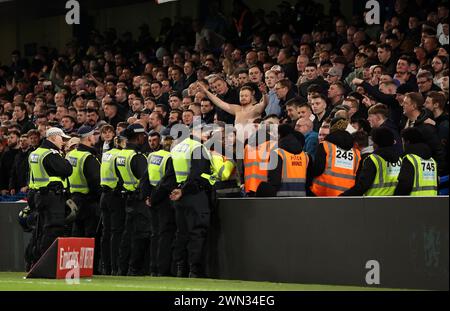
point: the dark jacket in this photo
(442, 126)
(303, 88)
(390, 66)
(391, 101)
(115, 120)
(434, 88)
(340, 138)
(394, 129)
(189, 80)
(406, 176)
(91, 170)
(209, 117)
(3, 177)
(123, 109)
(409, 86)
(6, 163)
(20, 171)
(139, 161)
(26, 125)
(290, 71)
(368, 171)
(291, 144)
(163, 99)
(55, 164)
(431, 137)
(179, 86)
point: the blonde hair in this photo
(228, 67)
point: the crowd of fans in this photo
(314, 67)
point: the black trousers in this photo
(51, 209)
(163, 233)
(87, 223)
(32, 250)
(136, 237)
(192, 215)
(112, 209)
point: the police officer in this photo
(31, 249)
(85, 183)
(131, 164)
(419, 172)
(189, 194)
(379, 172)
(225, 176)
(112, 208)
(85, 189)
(48, 173)
(162, 212)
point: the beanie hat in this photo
(383, 137)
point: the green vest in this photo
(157, 166)
(221, 168)
(108, 176)
(39, 177)
(425, 176)
(181, 157)
(77, 181)
(123, 164)
(386, 177)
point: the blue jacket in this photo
(311, 142)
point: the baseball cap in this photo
(334, 72)
(73, 141)
(136, 128)
(132, 130)
(56, 131)
(85, 131)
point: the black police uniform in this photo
(137, 222)
(192, 215)
(50, 200)
(163, 228)
(87, 219)
(112, 208)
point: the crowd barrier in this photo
(396, 242)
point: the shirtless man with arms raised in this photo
(249, 109)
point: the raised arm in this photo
(231, 109)
(261, 106)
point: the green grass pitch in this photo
(15, 281)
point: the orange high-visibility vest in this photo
(293, 177)
(256, 161)
(340, 171)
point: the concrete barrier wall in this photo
(310, 240)
(12, 238)
(330, 241)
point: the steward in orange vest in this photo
(336, 163)
(256, 159)
(291, 177)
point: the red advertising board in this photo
(75, 257)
